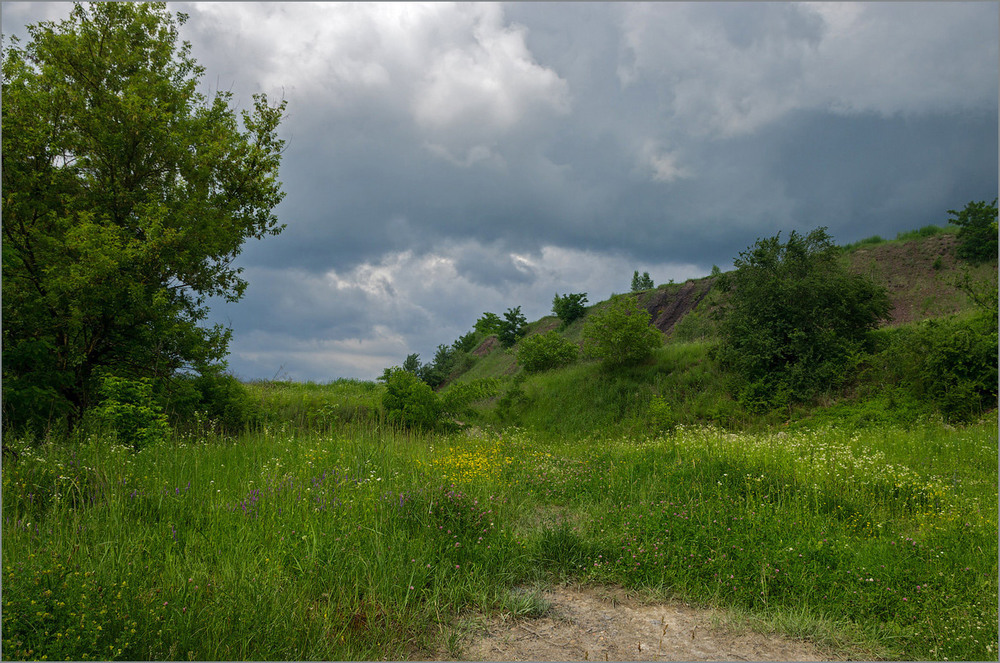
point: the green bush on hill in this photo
(435, 372)
(950, 362)
(412, 363)
(796, 319)
(640, 283)
(544, 351)
(489, 324)
(409, 401)
(620, 335)
(569, 307)
(512, 328)
(977, 235)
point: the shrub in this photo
(796, 319)
(412, 363)
(512, 327)
(951, 363)
(640, 283)
(466, 342)
(620, 335)
(569, 307)
(977, 235)
(661, 415)
(213, 398)
(434, 373)
(127, 409)
(409, 401)
(489, 324)
(544, 351)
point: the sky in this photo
(445, 160)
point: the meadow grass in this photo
(316, 406)
(365, 542)
(584, 397)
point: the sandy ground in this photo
(602, 624)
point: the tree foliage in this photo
(620, 334)
(128, 410)
(640, 283)
(409, 401)
(795, 318)
(435, 372)
(977, 234)
(512, 328)
(488, 324)
(542, 352)
(569, 307)
(126, 196)
(412, 363)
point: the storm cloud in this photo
(444, 160)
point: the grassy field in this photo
(340, 538)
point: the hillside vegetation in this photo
(940, 307)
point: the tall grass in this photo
(310, 405)
(364, 542)
(575, 400)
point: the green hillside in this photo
(683, 383)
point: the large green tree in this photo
(127, 193)
(795, 318)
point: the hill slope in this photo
(919, 274)
(683, 383)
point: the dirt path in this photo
(601, 624)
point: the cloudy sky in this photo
(444, 160)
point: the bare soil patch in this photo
(607, 624)
(488, 345)
(917, 289)
(668, 305)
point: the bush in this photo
(640, 283)
(544, 351)
(661, 415)
(952, 363)
(216, 400)
(620, 335)
(569, 307)
(127, 409)
(466, 342)
(489, 324)
(796, 320)
(412, 363)
(434, 373)
(512, 328)
(977, 235)
(409, 401)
